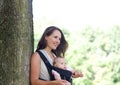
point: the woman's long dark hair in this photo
(60, 50)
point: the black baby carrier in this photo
(64, 74)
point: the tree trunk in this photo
(16, 41)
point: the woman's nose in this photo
(58, 41)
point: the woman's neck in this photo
(49, 52)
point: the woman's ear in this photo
(46, 38)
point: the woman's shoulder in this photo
(36, 53)
(35, 56)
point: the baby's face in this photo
(61, 63)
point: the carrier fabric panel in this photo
(65, 74)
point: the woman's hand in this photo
(76, 74)
(61, 82)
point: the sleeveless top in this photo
(43, 70)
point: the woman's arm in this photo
(35, 71)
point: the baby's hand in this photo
(77, 74)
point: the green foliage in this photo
(96, 53)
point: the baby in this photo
(60, 62)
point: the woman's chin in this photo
(54, 48)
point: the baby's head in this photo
(59, 62)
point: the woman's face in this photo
(53, 40)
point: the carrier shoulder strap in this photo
(47, 63)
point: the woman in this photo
(51, 44)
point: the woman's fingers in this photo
(77, 74)
(63, 82)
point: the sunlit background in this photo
(92, 29)
(76, 14)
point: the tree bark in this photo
(16, 41)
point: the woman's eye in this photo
(55, 36)
(60, 39)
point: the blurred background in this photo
(92, 29)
